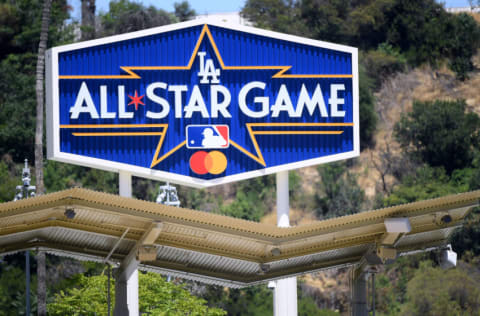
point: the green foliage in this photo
(19, 36)
(338, 192)
(20, 23)
(61, 176)
(325, 19)
(391, 284)
(427, 183)
(462, 45)
(419, 29)
(415, 285)
(256, 196)
(156, 297)
(467, 239)
(199, 199)
(308, 307)
(183, 11)
(433, 291)
(129, 16)
(12, 290)
(252, 199)
(383, 62)
(160, 297)
(89, 297)
(386, 296)
(254, 300)
(277, 15)
(258, 300)
(245, 206)
(368, 117)
(17, 103)
(422, 31)
(440, 133)
(8, 180)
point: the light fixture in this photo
(397, 225)
(70, 213)
(264, 268)
(276, 252)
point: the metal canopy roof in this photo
(217, 249)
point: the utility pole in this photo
(25, 191)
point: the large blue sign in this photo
(202, 104)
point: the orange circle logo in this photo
(213, 162)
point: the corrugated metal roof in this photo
(210, 247)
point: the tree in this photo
(427, 183)
(381, 63)
(463, 44)
(277, 15)
(440, 133)
(12, 288)
(8, 179)
(368, 117)
(422, 31)
(467, 239)
(128, 16)
(39, 90)
(252, 199)
(183, 11)
(41, 277)
(326, 20)
(156, 297)
(338, 192)
(433, 291)
(17, 117)
(21, 21)
(18, 57)
(88, 19)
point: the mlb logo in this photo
(207, 136)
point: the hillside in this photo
(396, 97)
(330, 288)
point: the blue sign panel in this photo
(202, 104)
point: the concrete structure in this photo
(226, 17)
(463, 9)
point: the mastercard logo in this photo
(213, 162)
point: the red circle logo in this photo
(213, 162)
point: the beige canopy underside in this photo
(217, 249)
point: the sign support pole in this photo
(285, 291)
(126, 285)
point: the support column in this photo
(126, 289)
(126, 283)
(285, 291)
(27, 280)
(125, 184)
(359, 293)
